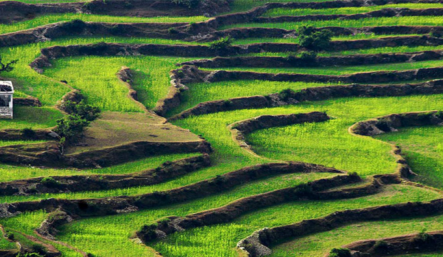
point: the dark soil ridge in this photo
(313, 190)
(388, 12)
(194, 75)
(414, 243)
(393, 122)
(259, 243)
(114, 205)
(292, 61)
(50, 154)
(17, 11)
(18, 134)
(66, 184)
(241, 128)
(27, 101)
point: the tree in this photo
(313, 39)
(7, 67)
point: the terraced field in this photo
(207, 147)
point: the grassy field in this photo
(326, 143)
(423, 148)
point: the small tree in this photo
(71, 127)
(7, 67)
(313, 39)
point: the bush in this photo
(71, 127)
(28, 133)
(50, 182)
(380, 246)
(285, 94)
(85, 111)
(423, 236)
(314, 39)
(353, 174)
(38, 249)
(222, 43)
(172, 31)
(303, 190)
(340, 252)
(308, 56)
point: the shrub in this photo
(172, 31)
(285, 94)
(308, 56)
(340, 252)
(28, 133)
(71, 127)
(303, 190)
(222, 43)
(380, 245)
(314, 39)
(84, 110)
(353, 174)
(227, 103)
(423, 236)
(219, 180)
(38, 249)
(50, 182)
(75, 25)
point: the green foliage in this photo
(308, 56)
(71, 127)
(222, 43)
(423, 236)
(50, 182)
(313, 39)
(286, 94)
(84, 110)
(380, 245)
(340, 252)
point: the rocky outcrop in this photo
(259, 242)
(312, 190)
(60, 184)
